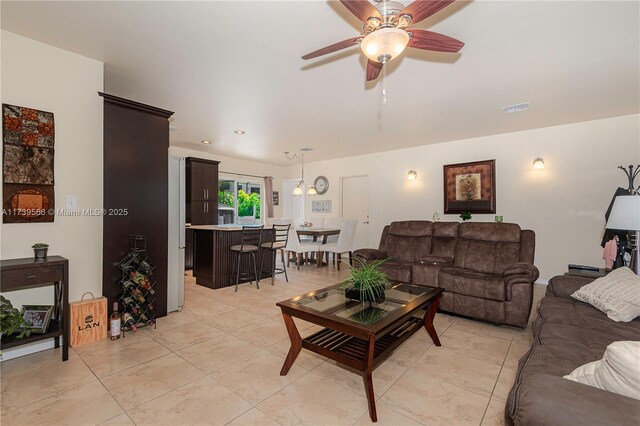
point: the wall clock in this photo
(322, 185)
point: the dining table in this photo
(317, 233)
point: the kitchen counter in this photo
(212, 256)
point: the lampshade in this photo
(312, 190)
(385, 44)
(297, 190)
(538, 163)
(625, 213)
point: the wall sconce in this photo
(538, 163)
(412, 175)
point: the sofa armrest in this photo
(369, 255)
(543, 399)
(565, 285)
(520, 272)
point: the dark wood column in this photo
(136, 178)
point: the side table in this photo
(21, 274)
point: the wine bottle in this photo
(115, 322)
(128, 320)
(138, 295)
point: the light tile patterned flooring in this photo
(218, 362)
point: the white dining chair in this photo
(332, 222)
(299, 248)
(344, 243)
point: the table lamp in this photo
(625, 216)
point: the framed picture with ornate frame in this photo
(470, 187)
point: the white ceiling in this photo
(236, 65)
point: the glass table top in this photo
(334, 302)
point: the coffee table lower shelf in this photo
(352, 351)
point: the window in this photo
(239, 201)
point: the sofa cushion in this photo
(490, 231)
(616, 294)
(397, 271)
(445, 229)
(469, 283)
(483, 256)
(411, 228)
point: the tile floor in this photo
(218, 362)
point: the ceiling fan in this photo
(385, 32)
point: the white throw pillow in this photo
(616, 294)
(618, 371)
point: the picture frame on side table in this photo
(470, 187)
(38, 316)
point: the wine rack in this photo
(137, 302)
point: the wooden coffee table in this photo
(360, 335)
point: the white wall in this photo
(563, 203)
(43, 77)
(236, 165)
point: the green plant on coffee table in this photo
(12, 320)
(367, 278)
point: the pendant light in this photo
(299, 189)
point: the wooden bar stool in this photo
(279, 242)
(251, 240)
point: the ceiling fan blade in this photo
(333, 48)
(362, 9)
(422, 9)
(373, 69)
(436, 42)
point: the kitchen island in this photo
(212, 256)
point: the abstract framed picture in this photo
(28, 141)
(28, 203)
(470, 187)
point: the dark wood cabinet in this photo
(136, 178)
(201, 191)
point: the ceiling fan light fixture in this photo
(297, 190)
(385, 44)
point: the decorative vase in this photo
(354, 294)
(40, 253)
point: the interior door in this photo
(355, 205)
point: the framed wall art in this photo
(27, 170)
(470, 187)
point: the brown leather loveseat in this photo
(486, 269)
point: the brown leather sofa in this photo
(486, 269)
(567, 334)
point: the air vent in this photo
(510, 109)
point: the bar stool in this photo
(279, 242)
(251, 240)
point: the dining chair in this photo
(333, 222)
(344, 243)
(299, 248)
(279, 242)
(251, 242)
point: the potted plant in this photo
(365, 282)
(40, 251)
(11, 320)
(465, 216)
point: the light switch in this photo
(71, 202)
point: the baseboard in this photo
(27, 349)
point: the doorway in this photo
(354, 204)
